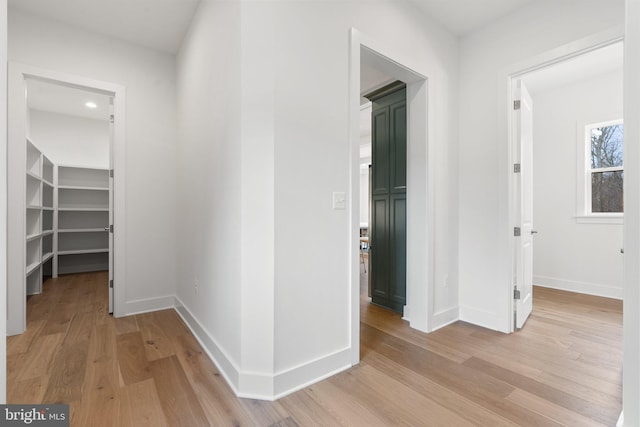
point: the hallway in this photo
(563, 368)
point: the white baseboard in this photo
(445, 317)
(486, 319)
(227, 367)
(148, 305)
(299, 377)
(596, 289)
(257, 385)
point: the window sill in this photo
(601, 219)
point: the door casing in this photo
(17, 73)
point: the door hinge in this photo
(112, 118)
(516, 294)
(111, 228)
(111, 173)
(110, 284)
(516, 104)
(516, 231)
(516, 168)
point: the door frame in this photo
(16, 137)
(508, 200)
(421, 160)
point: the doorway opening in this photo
(558, 108)
(578, 140)
(64, 144)
(366, 53)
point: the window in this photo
(604, 167)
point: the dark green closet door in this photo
(388, 230)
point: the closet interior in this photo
(68, 194)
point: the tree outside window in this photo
(606, 168)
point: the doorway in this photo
(420, 183)
(67, 211)
(578, 248)
(70, 131)
(386, 231)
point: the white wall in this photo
(484, 225)
(631, 360)
(70, 140)
(149, 78)
(209, 183)
(272, 255)
(312, 309)
(3, 198)
(568, 255)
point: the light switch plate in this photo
(339, 200)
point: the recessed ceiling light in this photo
(91, 104)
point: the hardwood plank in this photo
(179, 402)
(307, 411)
(436, 367)
(412, 405)
(80, 328)
(263, 412)
(124, 325)
(170, 322)
(466, 408)
(131, 358)
(550, 410)
(342, 405)
(220, 405)
(287, 422)
(67, 374)
(141, 405)
(100, 403)
(540, 389)
(157, 344)
(21, 343)
(29, 391)
(37, 362)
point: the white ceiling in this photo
(157, 24)
(464, 16)
(605, 60)
(371, 79)
(60, 99)
(162, 24)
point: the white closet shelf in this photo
(34, 207)
(83, 251)
(45, 182)
(33, 175)
(82, 230)
(83, 209)
(76, 187)
(46, 257)
(31, 237)
(32, 267)
(47, 208)
(47, 232)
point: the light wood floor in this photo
(563, 368)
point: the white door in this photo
(523, 121)
(110, 226)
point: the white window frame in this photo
(584, 214)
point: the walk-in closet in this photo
(68, 197)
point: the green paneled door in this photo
(388, 228)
